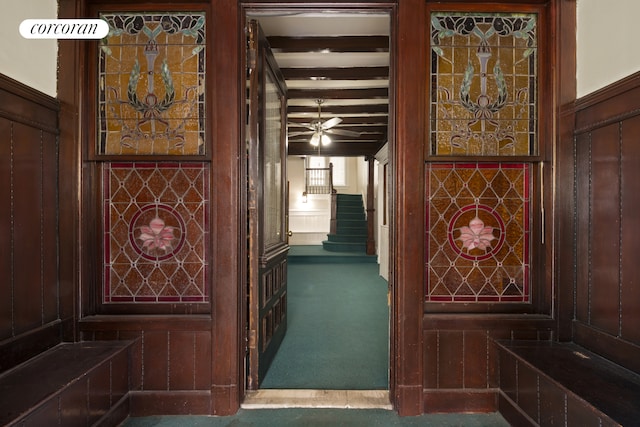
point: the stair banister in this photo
(333, 222)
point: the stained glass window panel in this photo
(156, 232)
(478, 232)
(151, 91)
(483, 84)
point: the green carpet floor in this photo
(321, 418)
(337, 331)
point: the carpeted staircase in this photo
(351, 226)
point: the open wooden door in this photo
(266, 202)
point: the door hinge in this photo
(251, 340)
(251, 49)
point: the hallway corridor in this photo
(337, 332)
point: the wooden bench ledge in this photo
(610, 388)
(31, 383)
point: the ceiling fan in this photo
(319, 129)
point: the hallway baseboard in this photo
(298, 398)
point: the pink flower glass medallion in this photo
(157, 232)
(476, 235)
(156, 235)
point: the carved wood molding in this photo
(42, 112)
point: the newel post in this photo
(371, 241)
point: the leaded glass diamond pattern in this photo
(156, 232)
(478, 232)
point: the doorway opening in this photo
(346, 53)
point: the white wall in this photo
(382, 238)
(608, 47)
(356, 182)
(33, 62)
(308, 221)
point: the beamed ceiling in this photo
(341, 59)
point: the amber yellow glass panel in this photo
(478, 227)
(483, 87)
(151, 85)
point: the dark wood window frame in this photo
(92, 255)
(541, 201)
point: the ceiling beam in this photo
(336, 73)
(341, 109)
(365, 130)
(347, 150)
(329, 44)
(369, 121)
(369, 93)
(341, 139)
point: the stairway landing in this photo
(316, 254)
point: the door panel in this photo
(267, 243)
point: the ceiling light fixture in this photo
(319, 136)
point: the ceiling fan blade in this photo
(344, 132)
(301, 125)
(298, 133)
(331, 123)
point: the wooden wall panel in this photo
(189, 360)
(461, 370)
(476, 367)
(605, 228)
(26, 226)
(630, 226)
(170, 359)
(607, 317)
(451, 359)
(29, 313)
(6, 310)
(582, 236)
(49, 229)
(155, 363)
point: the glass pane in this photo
(151, 91)
(483, 84)
(273, 191)
(339, 171)
(478, 232)
(155, 232)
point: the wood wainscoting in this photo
(461, 362)
(607, 206)
(35, 312)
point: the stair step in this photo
(351, 232)
(352, 216)
(316, 254)
(359, 225)
(346, 238)
(349, 210)
(344, 247)
(345, 196)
